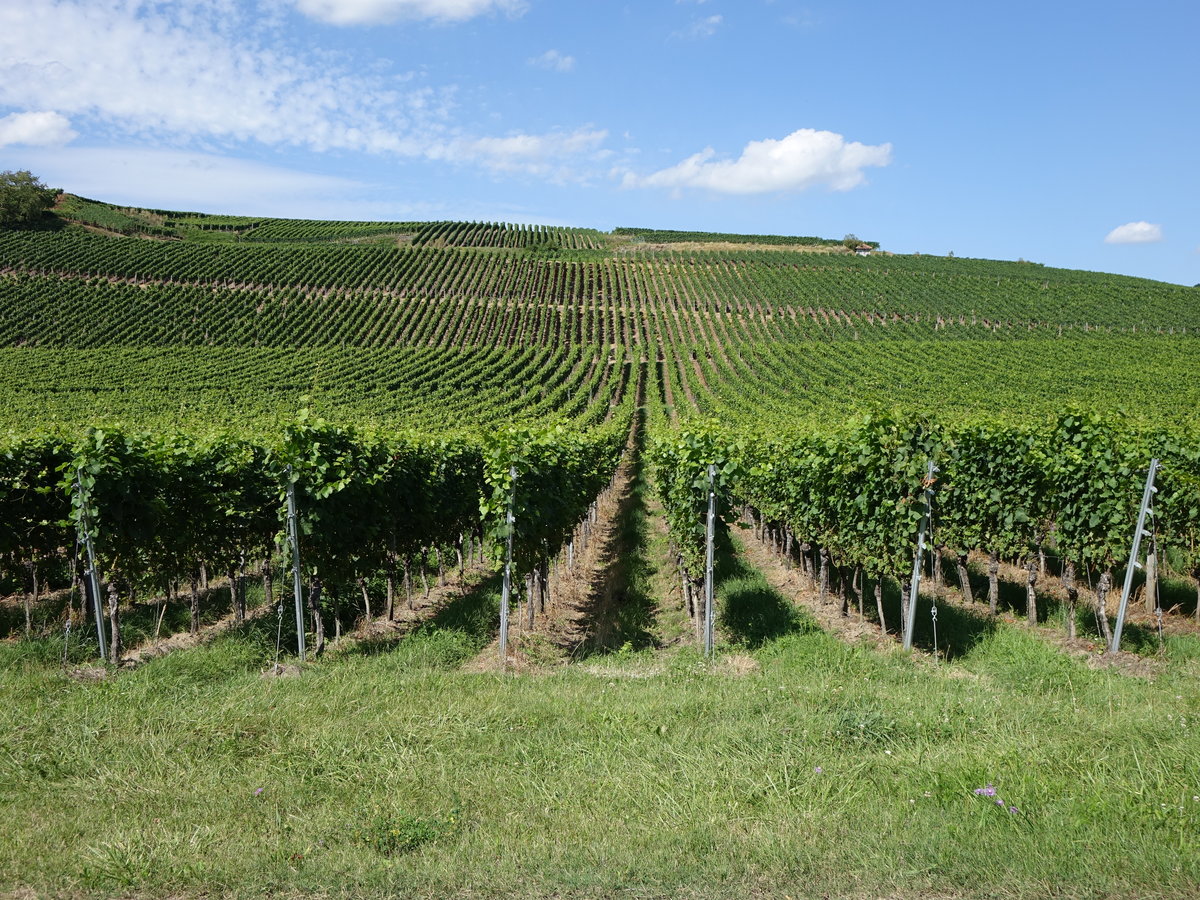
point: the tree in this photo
(851, 241)
(24, 200)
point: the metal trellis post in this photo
(1138, 533)
(93, 583)
(918, 561)
(710, 534)
(294, 540)
(506, 590)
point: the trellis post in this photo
(1138, 534)
(710, 534)
(293, 529)
(918, 561)
(506, 590)
(93, 582)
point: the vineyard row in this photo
(854, 497)
(749, 285)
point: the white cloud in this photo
(174, 179)
(199, 72)
(803, 159)
(1135, 233)
(40, 129)
(369, 12)
(553, 60)
(701, 28)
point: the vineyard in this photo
(330, 413)
(455, 329)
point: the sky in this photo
(1066, 134)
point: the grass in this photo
(750, 612)
(389, 771)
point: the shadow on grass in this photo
(956, 631)
(750, 612)
(139, 621)
(1011, 595)
(1178, 596)
(461, 627)
(633, 608)
(1141, 638)
(624, 616)
(1013, 600)
(47, 615)
(50, 650)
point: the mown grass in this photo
(825, 769)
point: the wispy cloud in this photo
(140, 70)
(200, 73)
(180, 179)
(554, 61)
(1135, 233)
(553, 155)
(38, 129)
(700, 28)
(804, 159)
(375, 12)
(802, 19)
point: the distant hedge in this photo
(662, 236)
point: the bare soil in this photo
(583, 595)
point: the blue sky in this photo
(1064, 133)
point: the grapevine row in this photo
(853, 497)
(832, 289)
(166, 508)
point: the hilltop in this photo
(107, 218)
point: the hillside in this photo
(811, 328)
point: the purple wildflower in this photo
(258, 791)
(1013, 809)
(999, 802)
(988, 791)
(818, 769)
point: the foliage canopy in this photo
(24, 200)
